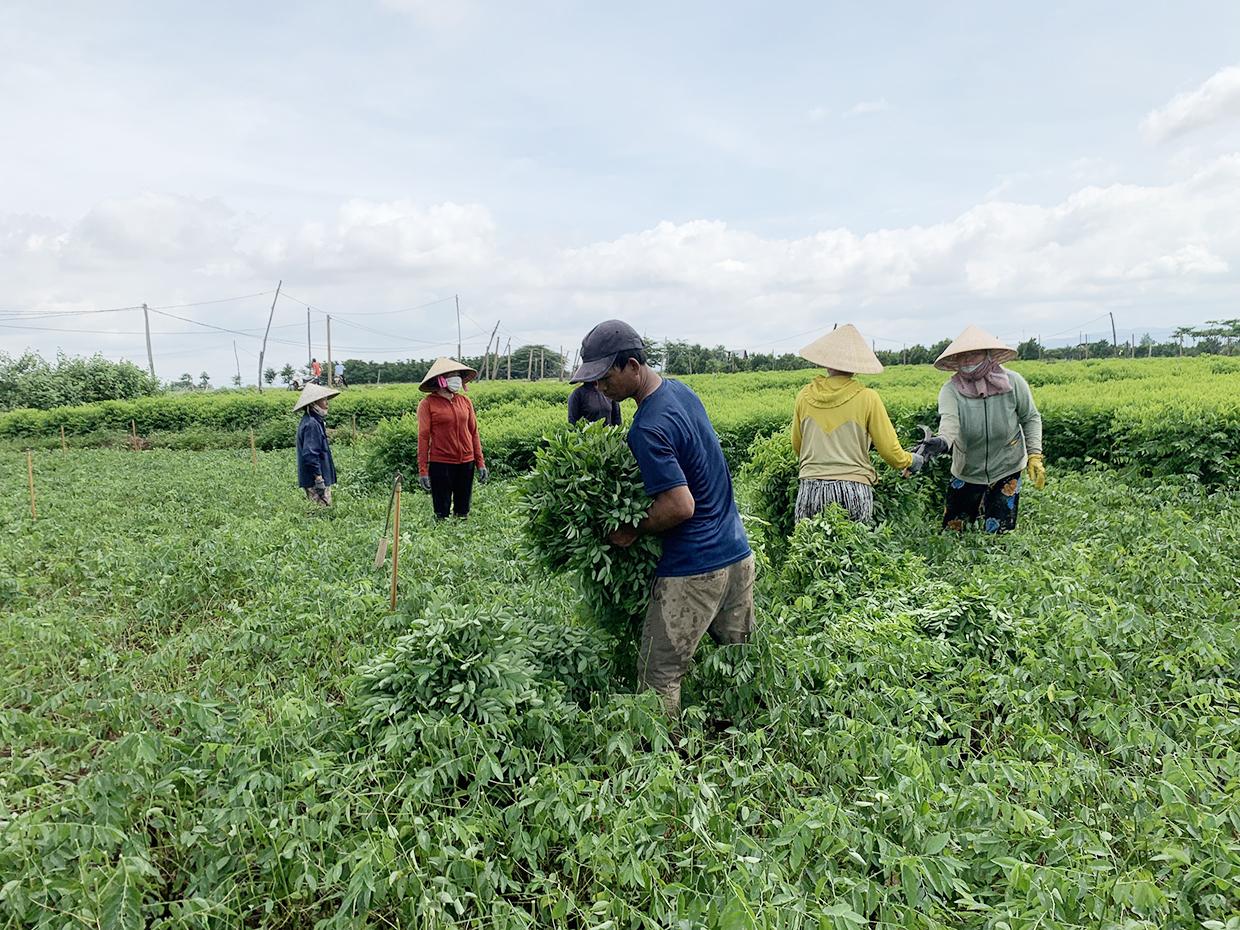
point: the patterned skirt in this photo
(856, 498)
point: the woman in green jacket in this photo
(988, 419)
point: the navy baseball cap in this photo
(601, 346)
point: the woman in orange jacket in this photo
(449, 448)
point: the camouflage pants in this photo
(682, 610)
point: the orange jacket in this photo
(448, 432)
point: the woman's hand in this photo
(1037, 470)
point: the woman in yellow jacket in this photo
(834, 424)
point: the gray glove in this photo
(484, 474)
(930, 445)
(919, 462)
(425, 482)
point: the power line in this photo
(218, 300)
(48, 313)
(334, 313)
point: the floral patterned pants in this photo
(994, 504)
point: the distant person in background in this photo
(835, 420)
(316, 371)
(316, 472)
(449, 447)
(590, 404)
(988, 419)
(340, 375)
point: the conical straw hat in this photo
(313, 393)
(446, 366)
(974, 339)
(843, 349)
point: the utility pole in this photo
(150, 358)
(457, 298)
(485, 370)
(529, 364)
(508, 353)
(1114, 338)
(263, 350)
(542, 362)
(331, 372)
(237, 359)
(309, 351)
(560, 373)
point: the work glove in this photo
(919, 462)
(1037, 470)
(930, 445)
(425, 482)
(484, 474)
(320, 489)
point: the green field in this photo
(1159, 415)
(210, 719)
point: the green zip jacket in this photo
(991, 437)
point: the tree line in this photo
(29, 380)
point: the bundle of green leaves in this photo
(585, 485)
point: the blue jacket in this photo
(314, 455)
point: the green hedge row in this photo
(1160, 416)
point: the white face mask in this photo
(454, 384)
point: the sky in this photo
(728, 173)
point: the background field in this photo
(1162, 416)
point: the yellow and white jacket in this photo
(834, 422)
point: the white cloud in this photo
(392, 236)
(1215, 100)
(1120, 245)
(864, 107)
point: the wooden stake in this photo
(253, 450)
(395, 541)
(133, 433)
(355, 426)
(34, 511)
(64, 446)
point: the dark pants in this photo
(452, 486)
(994, 504)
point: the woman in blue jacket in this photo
(316, 472)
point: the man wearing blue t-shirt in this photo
(704, 581)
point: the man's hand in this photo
(484, 473)
(624, 537)
(918, 463)
(425, 482)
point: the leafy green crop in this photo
(210, 719)
(585, 485)
(1153, 416)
